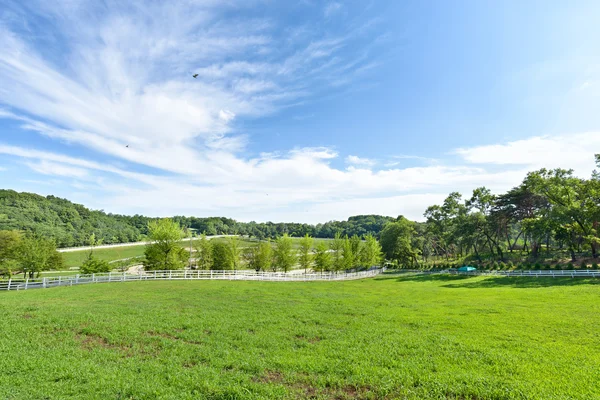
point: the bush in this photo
(594, 265)
(94, 266)
(501, 266)
(570, 266)
(583, 265)
(538, 266)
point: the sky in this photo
(302, 110)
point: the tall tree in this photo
(204, 253)
(305, 258)
(221, 255)
(234, 249)
(322, 257)
(396, 242)
(10, 242)
(337, 247)
(370, 254)
(284, 257)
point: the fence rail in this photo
(581, 273)
(48, 282)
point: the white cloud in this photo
(127, 82)
(574, 151)
(51, 168)
(355, 160)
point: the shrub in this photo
(501, 266)
(94, 266)
(583, 265)
(537, 265)
(570, 265)
(594, 265)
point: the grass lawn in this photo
(74, 259)
(414, 337)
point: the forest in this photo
(71, 224)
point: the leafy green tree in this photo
(322, 257)
(370, 254)
(347, 254)
(356, 246)
(204, 253)
(221, 255)
(305, 259)
(10, 241)
(284, 257)
(234, 248)
(259, 257)
(165, 252)
(337, 248)
(36, 254)
(396, 243)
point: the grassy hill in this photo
(413, 337)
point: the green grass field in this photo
(413, 337)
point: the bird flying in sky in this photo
(195, 75)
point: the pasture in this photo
(396, 336)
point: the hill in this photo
(71, 224)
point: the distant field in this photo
(408, 337)
(74, 259)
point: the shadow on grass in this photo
(523, 282)
(416, 277)
(474, 282)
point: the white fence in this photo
(575, 273)
(22, 284)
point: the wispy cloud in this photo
(355, 160)
(332, 8)
(118, 84)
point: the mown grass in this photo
(414, 337)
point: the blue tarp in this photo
(467, 268)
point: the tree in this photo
(337, 246)
(36, 254)
(204, 254)
(221, 255)
(284, 257)
(234, 249)
(347, 254)
(10, 242)
(259, 257)
(322, 257)
(93, 265)
(370, 254)
(165, 252)
(356, 246)
(396, 243)
(305, 259)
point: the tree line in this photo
(70, 224)
(343, 253)
(552, 217)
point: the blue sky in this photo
(302, 110)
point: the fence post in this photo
(9, 281)
(77, 279)
(43, 283)
(170, 274)
(26, 282)
(124, 276)
(93, 278)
